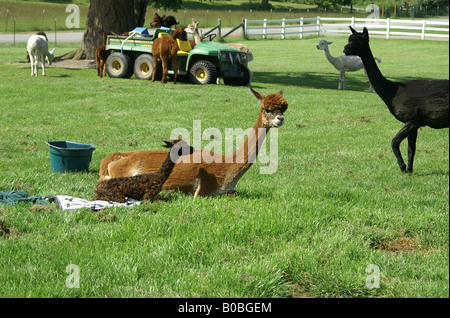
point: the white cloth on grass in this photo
(72, 203)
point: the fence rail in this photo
(422, 29)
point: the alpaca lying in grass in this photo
(196, 174)
(144, 186)
(37, 48)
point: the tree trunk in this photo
(116, 16)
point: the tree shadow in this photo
(355, 81)
(310, 79)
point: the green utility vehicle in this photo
(203, 64)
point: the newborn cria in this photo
(144, 186)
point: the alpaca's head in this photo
(50, 57)
(169, 21)
(180, 33)
(179, 148)
(157, 21)
(190, 29)
(273, 107)
(323, 44)
(358, 42)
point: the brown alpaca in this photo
(144, 186)
(195, 176)
(165, 49)
(101, 54)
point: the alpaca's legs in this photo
(165, 72)
(412, 137)
(402, 134)
(103, 68)
(31, 63)
(341, 79)
(155, 67)
(97, 59)
(43, 64)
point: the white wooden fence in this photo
(423, 29)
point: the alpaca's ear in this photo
(258, 96)
(158, 15)
(365, 32)
(329, 42)
(168, 144)
(281, 91)
(51, 52)
(353, 30)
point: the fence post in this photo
(318, 25)
(388, 28)
(55, 31)
(283, 28)
(7, 14)
(265, 29)
(353, 22)
(219, 31)
(43, 16)
(14, 41)
(424, 25)
(301, 28)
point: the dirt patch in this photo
(70, 64)
(402, 245)
(7, 231)
(73, 64)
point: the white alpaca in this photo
(37, 48)
(343, 63)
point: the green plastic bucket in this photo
(70, 156)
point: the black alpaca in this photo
(144, 186)
(416, 103)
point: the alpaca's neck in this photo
(167, 166)
(330, 58)
(383, 87)
(246, 155)
(197, 37)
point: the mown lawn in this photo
(336, 206)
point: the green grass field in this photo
(337, 203)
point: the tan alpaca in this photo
(217, 177)
(193, 29)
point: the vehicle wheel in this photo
(203, 72)
(143, 67)
(119, 66)
(238, 81)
